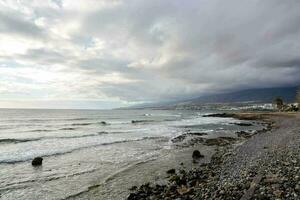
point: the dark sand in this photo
(268, 155)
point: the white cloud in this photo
(137, 51)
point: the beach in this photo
(263, 166)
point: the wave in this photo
(41, 130)
(81, 124)
(90, 123)
(12, 140)
(67, 129)
(141, 121)
(78, 119)
(13, 161)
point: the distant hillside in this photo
(265, 95)
(252, 95)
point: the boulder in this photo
(197, 155)
(171, 171)
(37, 161)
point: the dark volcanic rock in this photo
(179, 138)
(219, 115)
(182, 137)
(197, 155)
(37, 161)
(243, 134)
(196, 134)
(220, 141)
(171, 171)
(236, 116)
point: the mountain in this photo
(265, 95)
(261, 95)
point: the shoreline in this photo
(217, 179)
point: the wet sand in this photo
(118, 186)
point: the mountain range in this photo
(256, 95)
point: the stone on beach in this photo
(37, 161)
(197, 155)
(171, 171)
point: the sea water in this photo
(83, 149)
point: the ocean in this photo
(93, 150)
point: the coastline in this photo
(239, 169)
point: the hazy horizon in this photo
(90, 54)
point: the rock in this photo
(221, 141)
(103, 123)
(277, 193)
(174, 178)
(243, 134)
(183, 190)
(132, 196)
(197, 155)
(219, 115)
(171, 171)
(133, 188)
(196, 133)
(179, 138)
(271, 179)
(192, 183)
(37, 161)
(135, 121)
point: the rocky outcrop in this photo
(243, 134)
(180, 138)
(224, 115)
(220, 141)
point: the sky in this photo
(101, 54)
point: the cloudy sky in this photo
(111, 53)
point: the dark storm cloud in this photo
(214, 45)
